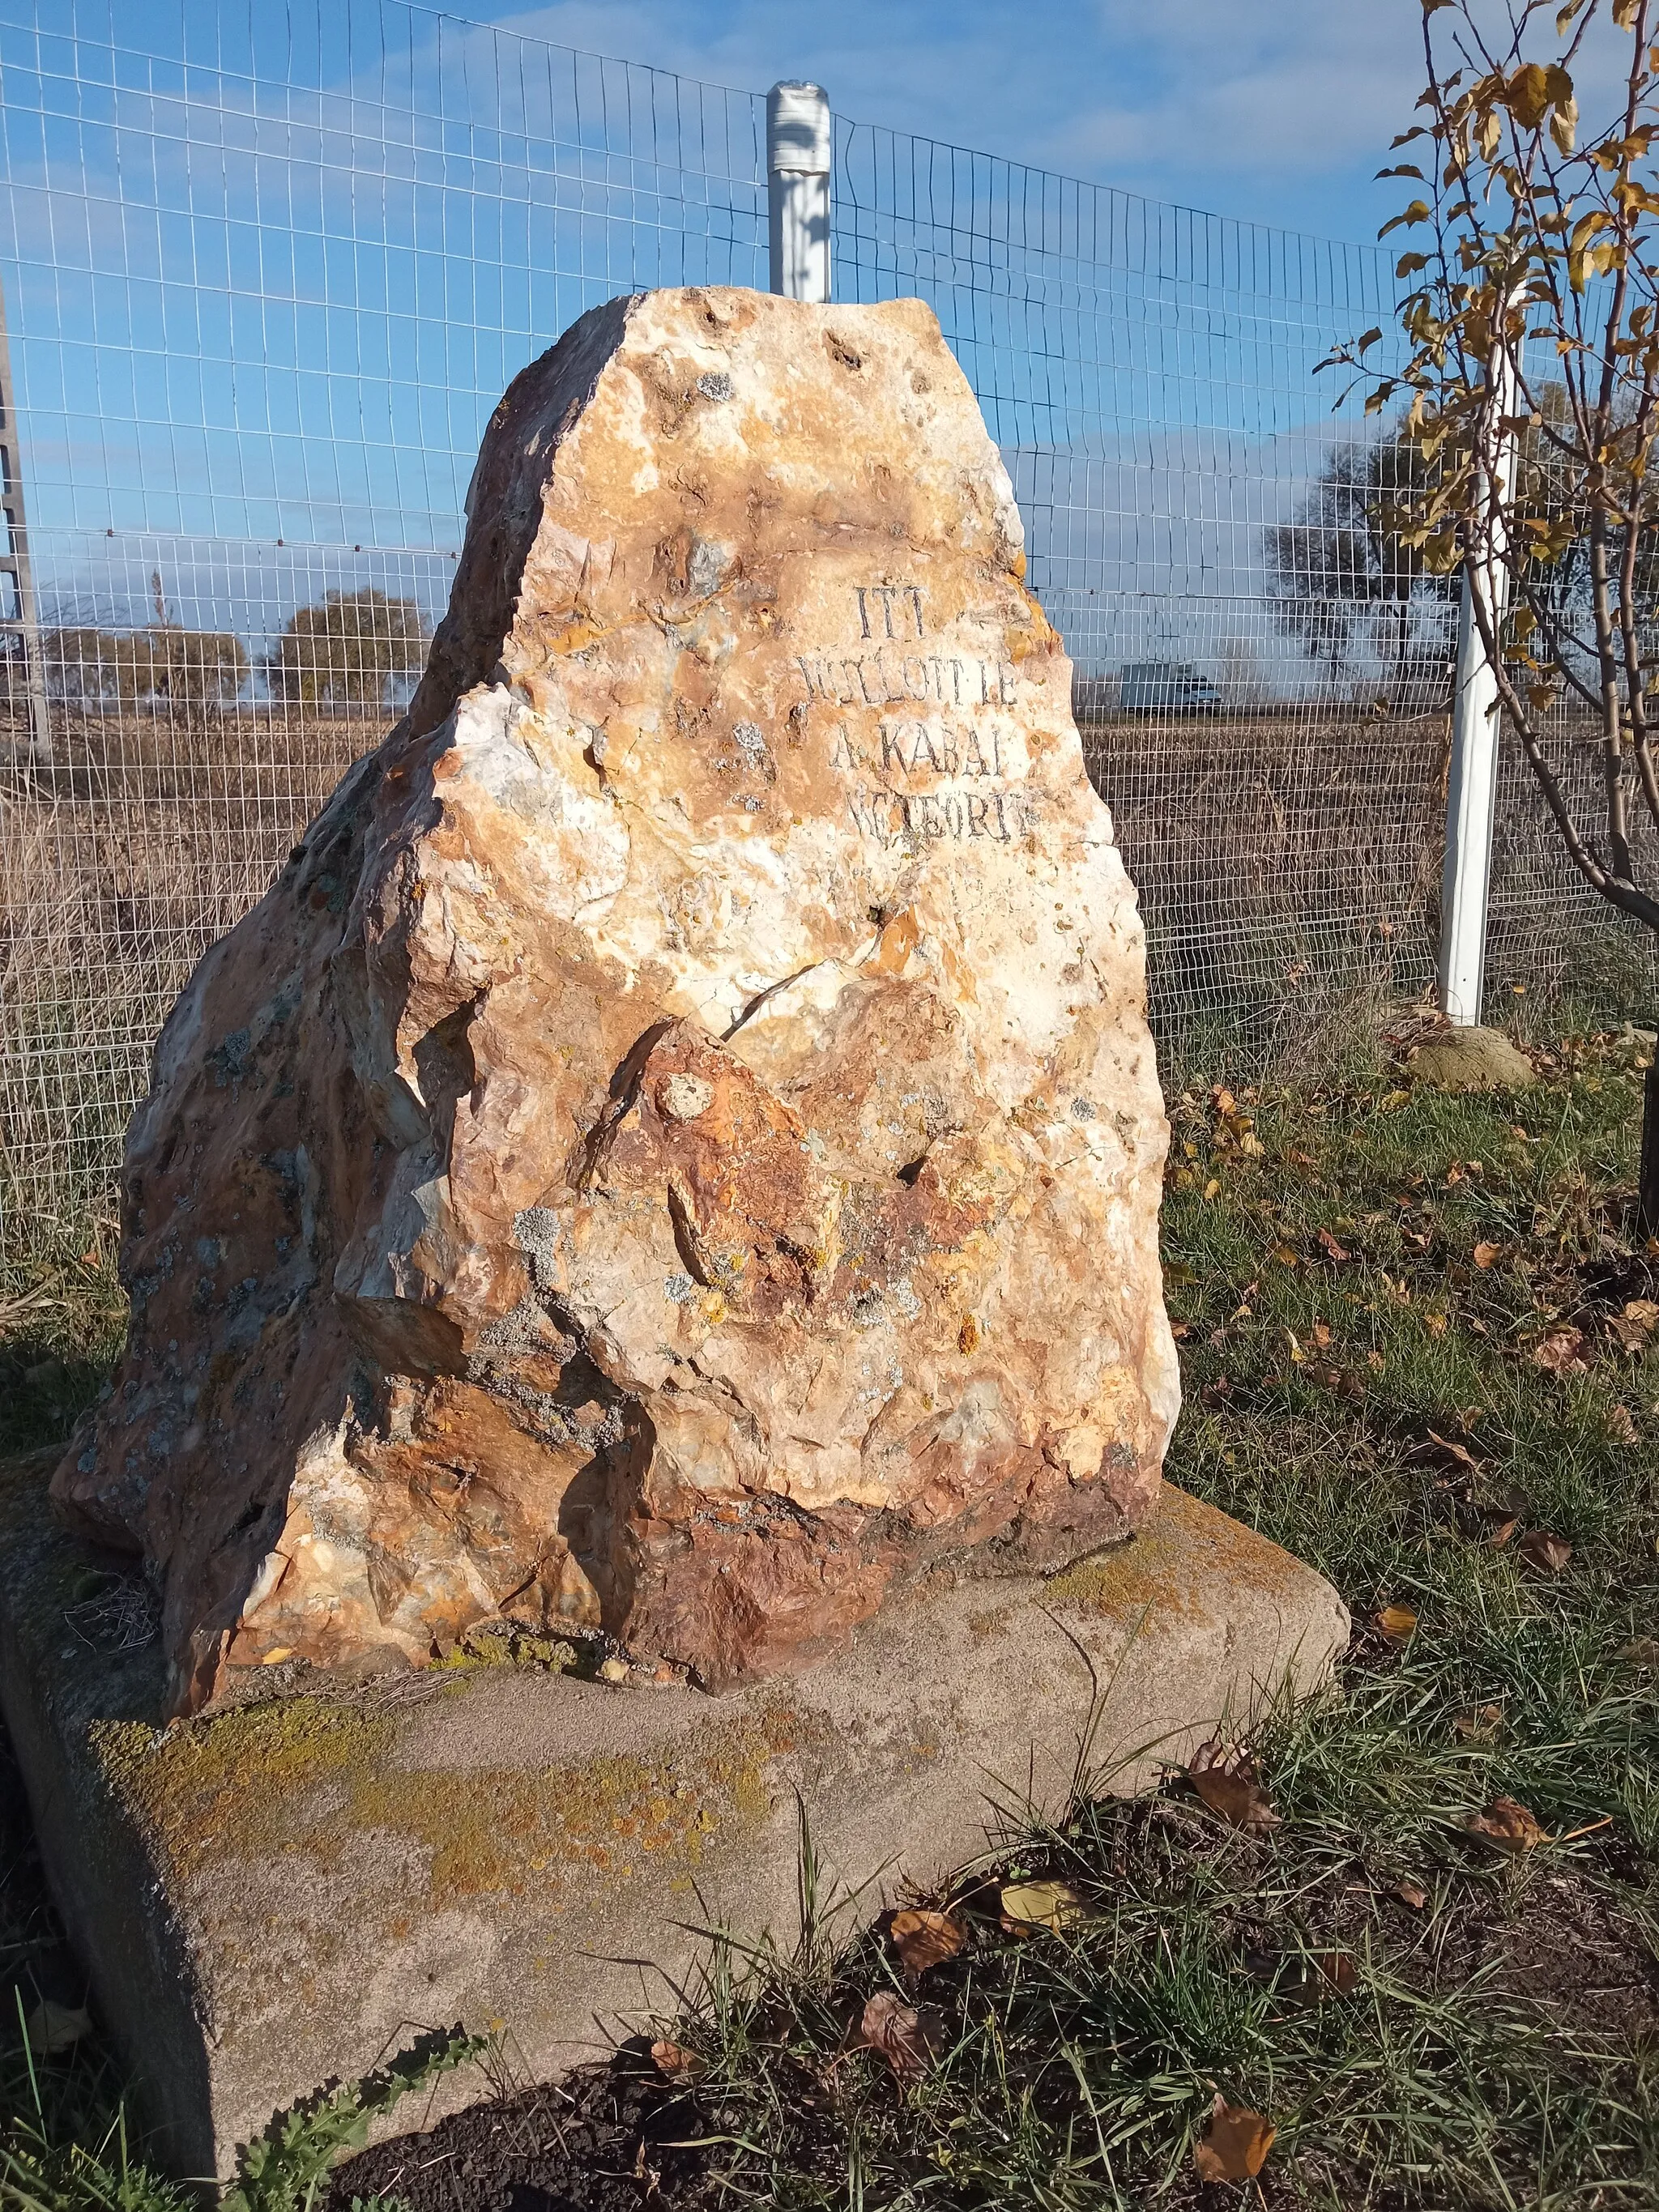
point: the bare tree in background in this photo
(1356, 596)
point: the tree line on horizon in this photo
(344, 651)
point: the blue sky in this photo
(1273, 111)
(269, 263)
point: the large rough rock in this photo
(677, 1150)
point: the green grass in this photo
(1500, 2044)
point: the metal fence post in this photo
(15, 557)
(1472, 778)
(797, 163)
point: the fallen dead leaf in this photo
(1460, 1453)
(925, 1939)
(1212, 1187)
(1621, 1428)
(1435, 1323)
(1321, 1335)
(1509, 1826)
(1251, 1146)
(1227, 1783)
(1375, 1361)
(1641, 1651)
(675, 2063)
(1486, 1256)
(1412, 1894)
(1397, 1622)
(1333, 1248)
(1548, 1553)
(1030, 1905)
(909, 2037)
(1480, 1726)
(52, 2027)
(1562, 1353)
(1334, 1974)
(1235, 2144)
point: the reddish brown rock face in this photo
(678, 1151)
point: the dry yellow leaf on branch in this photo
(1234, 2144)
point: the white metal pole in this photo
(1472, 779)
(797, 163)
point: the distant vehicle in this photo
(1166, 687)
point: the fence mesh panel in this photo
(266, 278)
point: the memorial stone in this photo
(675, 1158)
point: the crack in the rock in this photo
(760, 998)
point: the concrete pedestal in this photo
(275, 1895)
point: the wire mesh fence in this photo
(268, 267)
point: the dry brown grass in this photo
(145, 839)
(1288, 866)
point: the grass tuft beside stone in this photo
(1420, 1349)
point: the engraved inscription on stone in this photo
(899, 769)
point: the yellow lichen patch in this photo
(1183, 1545)
(241, 1783)
(312, 1778)
(1124, 1581)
